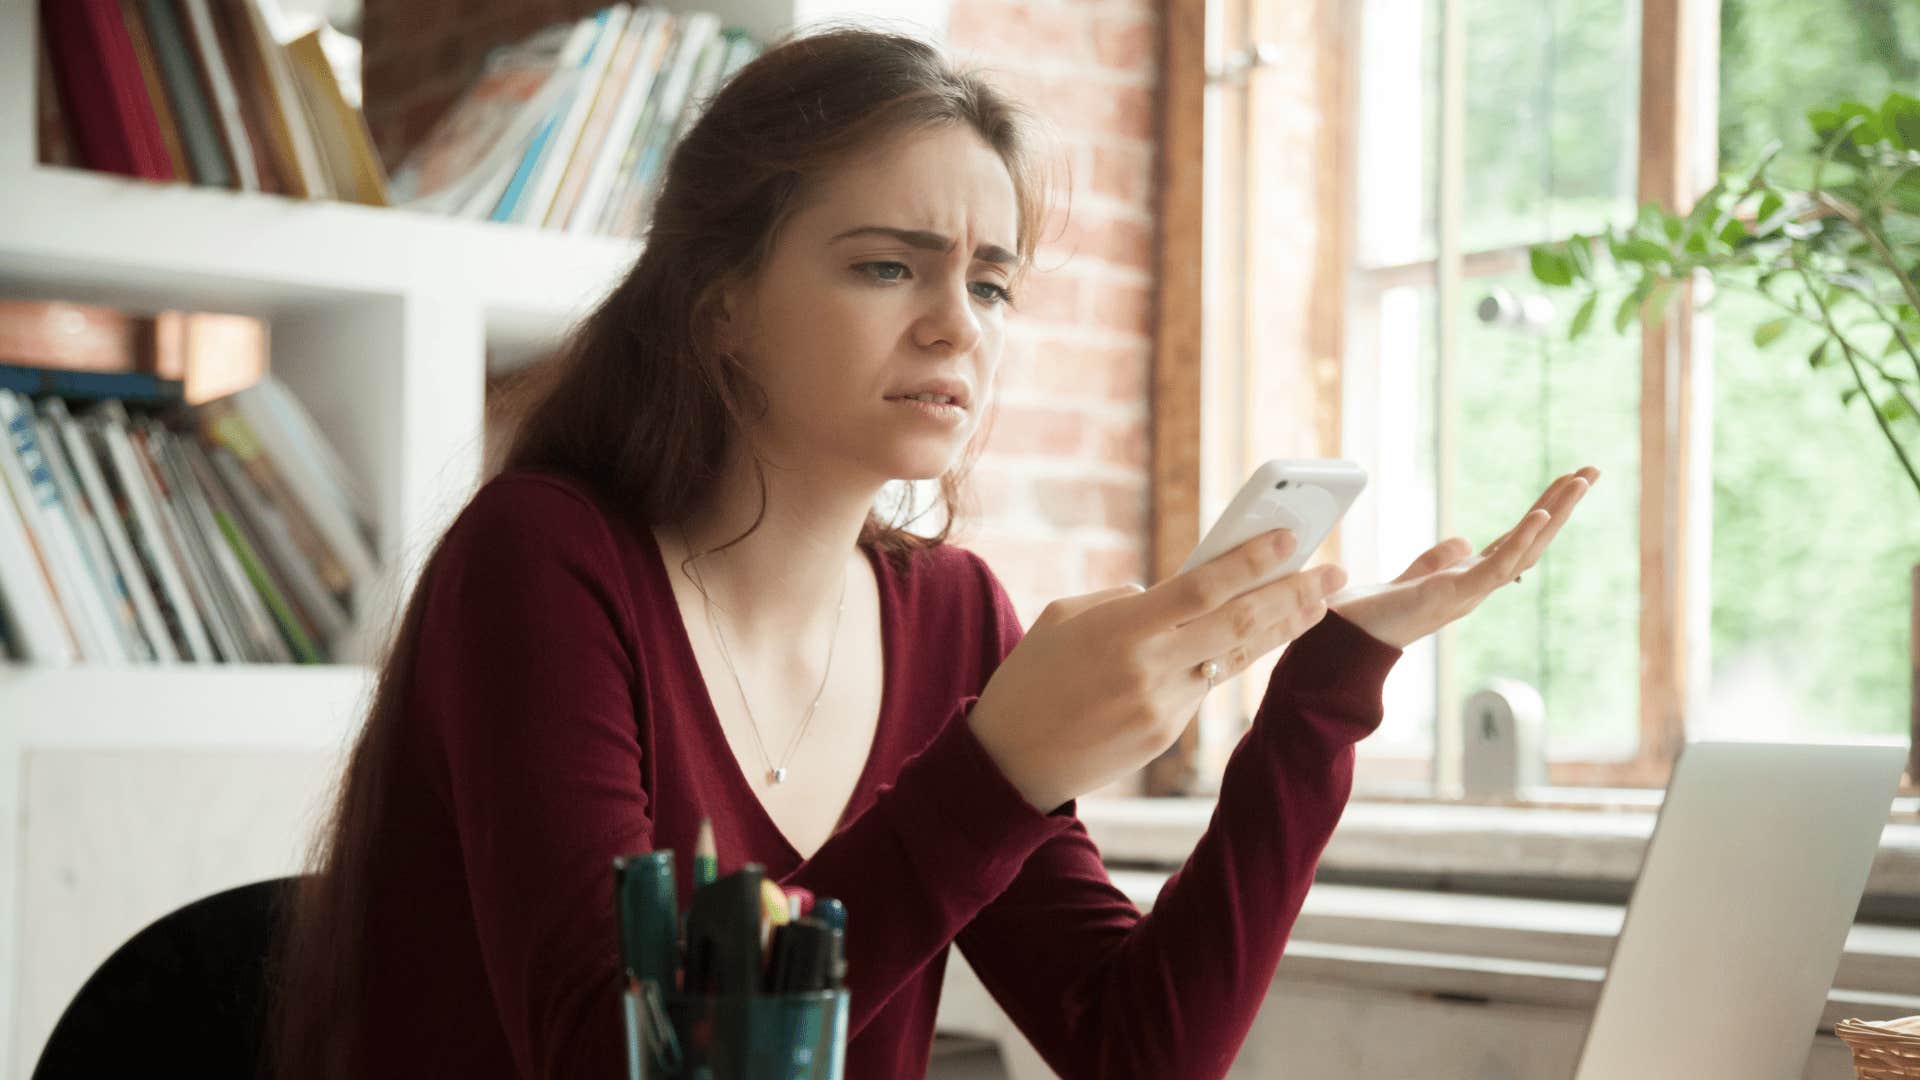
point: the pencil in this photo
(706, 858)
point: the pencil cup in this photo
(756, 1037)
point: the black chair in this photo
(185, 996)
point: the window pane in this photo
(1396, 177)
(1551, 118)
(1388, 428)
(1533, 406)
(1815, 525)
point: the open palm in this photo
(1448, 580)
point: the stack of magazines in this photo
(571, 128)
(223, 532)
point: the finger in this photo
(1232, 633)
(1545, 500)
(1562, 512)
(1500, 563)
(1438, 557)
(1069, 606)
(1184, 597)
(1554, 490)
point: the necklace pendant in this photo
(779, 775)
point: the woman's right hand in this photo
(1103, 683)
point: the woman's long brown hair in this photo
(640, 406)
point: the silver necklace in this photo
(776, 774)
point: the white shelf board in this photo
(185, 706)
(84, 235)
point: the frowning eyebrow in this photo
(992, 253)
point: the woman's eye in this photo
(875, 270)
(994, 291)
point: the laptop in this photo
(1737, 920)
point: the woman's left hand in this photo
(1448, 581)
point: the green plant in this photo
(1838, 255)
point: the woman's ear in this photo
(728, 324)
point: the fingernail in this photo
(1282, 540)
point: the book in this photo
(287, 110)
(240, 602)
(82, 337)
(54, 143)
(38, 629)
(465, 161)
(299, 634)
(697, 29)
(193, 111)
(133, 386)
(217, 79)
(222, 425)
(136, 25)
(101, 91)
(557, 155)
(572, 63)
(40, 506)
(289, 431)
(611, 96)
(270, 142)
(109, 424)
(210, 354)
(657, 38)
(110, 515)
(274, 539)
(203, 589)
(345, 143)
(103, 572)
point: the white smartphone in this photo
(1307, 495)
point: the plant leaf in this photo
(1768, 332)
(1550, 267)
(1583, 316)
(1819, 355)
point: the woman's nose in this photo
(950, 319)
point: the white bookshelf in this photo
(126, 792)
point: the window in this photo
(1691, 595)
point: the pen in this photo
(706, 857)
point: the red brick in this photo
(1124, 173)
(1120, 306)
(1078, 370)
(1124, 443)
(1052, 296)
(1125, 43)
(1123, 506)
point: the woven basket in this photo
(1883, 1049)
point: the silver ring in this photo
(1210, 671)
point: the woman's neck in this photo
(785, 580)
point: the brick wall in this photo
(1061, 492)
(1062, 487)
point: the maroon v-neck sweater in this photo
(558, 719)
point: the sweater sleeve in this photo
(522, 697)
(1101, 990)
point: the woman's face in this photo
(890, 279)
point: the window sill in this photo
(1513, 951)
(1559, 852)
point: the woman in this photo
(677, 602)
